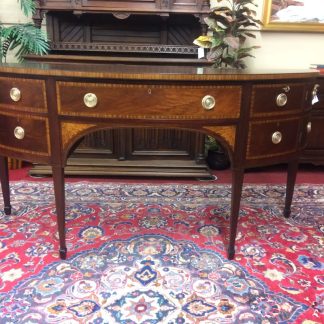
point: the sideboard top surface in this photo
(152, 72)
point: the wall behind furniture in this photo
(278, 49)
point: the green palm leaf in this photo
(27, 6)
(27, 38)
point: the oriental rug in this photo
(143, 253)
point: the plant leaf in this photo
(222, 20)
(28, 7)
(216, 42)
(204, 41)
(210, 22)
(233, 42)
(214, 54)
(28, 38)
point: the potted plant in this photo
(228, 29)
(216, 157)
(26, 38)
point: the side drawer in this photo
(25, 134)
(148, 101)
(264, 134)
(316, 137)
(270, 99)
(24, 94)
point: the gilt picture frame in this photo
(291, 15)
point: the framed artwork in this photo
(294, 15)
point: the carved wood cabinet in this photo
(123, 32)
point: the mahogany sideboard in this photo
(260, 117)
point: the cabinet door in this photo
(164, 144)
(142, 144)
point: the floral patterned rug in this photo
(142, 253)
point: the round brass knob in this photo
(208, 102)
(309, 127)
(276, 137)
(19, 132)
(281, 99)
(15, 94)
(90, 100)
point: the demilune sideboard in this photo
(260, 117)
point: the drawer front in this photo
(24, 94)
(264, 138)
(149, 101)
(316, 136)
(278, 99)
(24, 134)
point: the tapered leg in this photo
(237, 183)
(4, 175)
(59, 190)
(291, 179)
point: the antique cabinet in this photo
(124, 32)
(314, 152)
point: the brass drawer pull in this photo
(309, 127)
(15, 94)
(286, 88)
(208, 102)
(19, 132)
(90, 100)
(281, 100)
(315, 90)
(276, 137)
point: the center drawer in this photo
(148, 101)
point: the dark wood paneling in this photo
(105, 33)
